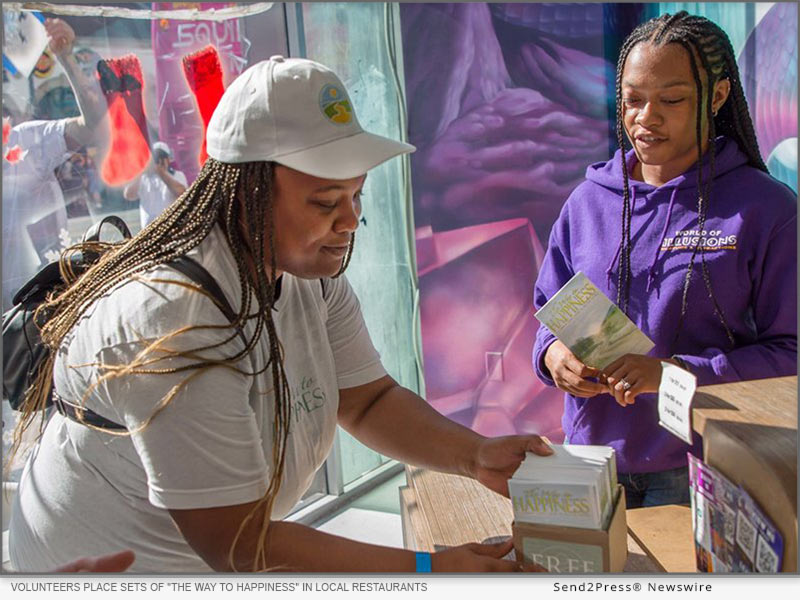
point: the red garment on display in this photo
(129, 151)
(203, 72)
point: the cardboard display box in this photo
(573, 549)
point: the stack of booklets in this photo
(731, 532)
(575, 487)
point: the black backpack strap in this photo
(75, 413)
(198, 273)
(90, 417)
(93, 233)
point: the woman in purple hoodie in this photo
(691, 236)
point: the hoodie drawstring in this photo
(621, 241)
(660, 244)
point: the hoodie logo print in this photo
(709, 240)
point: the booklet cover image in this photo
(590, 325)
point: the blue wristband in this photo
(423, 562)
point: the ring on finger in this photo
(626, 385)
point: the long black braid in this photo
(706, 41)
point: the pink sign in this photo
(180, 125)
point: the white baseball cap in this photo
(163, 147)
(297, 113)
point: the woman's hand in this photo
(479, 558)
(569, 373)
(497, 459)
(60, 36)
(634, 374)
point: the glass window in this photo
(54, 187)
(354, 39)
(60, 187)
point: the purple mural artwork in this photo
(180, 125)
(507, 106)
(477, 343)
(773, 94)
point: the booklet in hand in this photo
(590, 325)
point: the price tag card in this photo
(675, 395)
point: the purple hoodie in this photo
(751, 236)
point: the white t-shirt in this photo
(155, 196)
(31, 196)
(85, 492)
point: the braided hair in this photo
(238, 199)
(706, 41)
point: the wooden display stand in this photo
(749, 434)
(749, 431)
(439, 511)
(562, 549)
(665, 534)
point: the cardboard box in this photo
(573, 549)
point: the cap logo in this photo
(335, 105)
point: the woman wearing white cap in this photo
(156, 188)
(225, 424)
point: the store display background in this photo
(484, 84)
